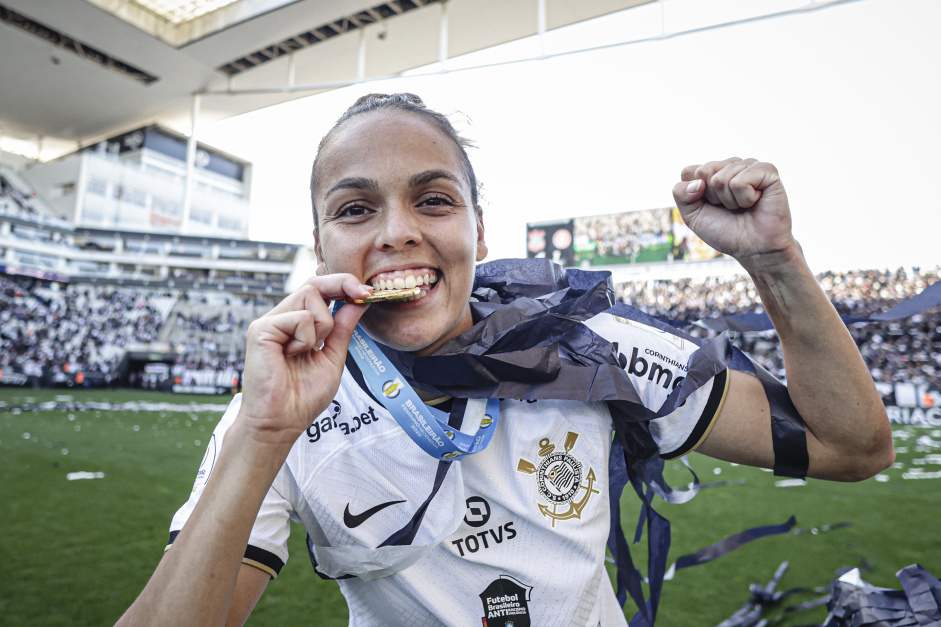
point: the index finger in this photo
(707, 170)
(318, 290)
(704, 170)
(688, 173)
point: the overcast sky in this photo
(844, 100)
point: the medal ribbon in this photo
(427, 426)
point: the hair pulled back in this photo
(409, 103)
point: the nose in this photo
(400, 229)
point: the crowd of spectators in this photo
(212, 342)
(898, 351)
(48, 333)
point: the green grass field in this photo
(78, 552)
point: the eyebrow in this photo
(372, 185)
(422, 178)
(355, 182)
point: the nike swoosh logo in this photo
(355, 520)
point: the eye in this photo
(436, 200)
(352, 211)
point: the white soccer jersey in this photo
(513, 535)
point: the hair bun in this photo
(379, 99)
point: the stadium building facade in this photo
(126, 211)
(52, 249)
(138, 181)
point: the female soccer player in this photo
(332, 433)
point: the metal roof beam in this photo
(76, 47)
(346, 24)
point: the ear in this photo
(321, 264)
(482, 249)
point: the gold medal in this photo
(383, 295)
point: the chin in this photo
(406, 342)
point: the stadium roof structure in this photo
(77, 71)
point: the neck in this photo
(463, 324)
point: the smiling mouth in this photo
(424, 279)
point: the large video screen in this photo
(645, 236)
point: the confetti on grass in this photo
(74, 476)
(129, 406)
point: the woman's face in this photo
(394, 208)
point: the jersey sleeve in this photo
(682, 431)
(267, 544)
(657, 361)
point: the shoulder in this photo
(632, 326)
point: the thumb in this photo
(689, 196)
(337, 343)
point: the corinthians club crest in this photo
(559, 478)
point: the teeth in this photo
(399, 280)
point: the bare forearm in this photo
(828, 380)
(296, 343)
(195, 580)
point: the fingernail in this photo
(693, 187)
(365, 290)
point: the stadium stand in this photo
(51, 331)
(208, 339)
(905, 351)
(87, 306)
(51, 334)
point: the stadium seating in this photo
(905, 351)
(48, 331)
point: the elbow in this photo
(881, 451)
(871, 457)
(870, 464)
(884, 457)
